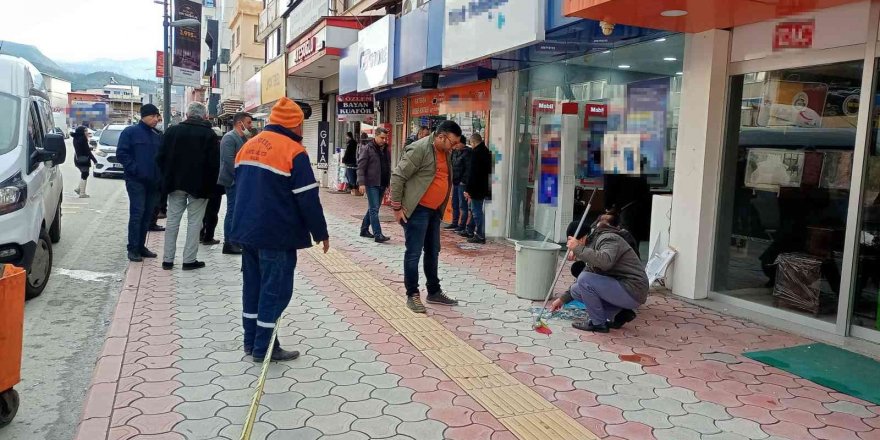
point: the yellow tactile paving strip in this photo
(524, 412)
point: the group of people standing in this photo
(471, 175)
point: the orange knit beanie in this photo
(286, 113)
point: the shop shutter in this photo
(310, 132)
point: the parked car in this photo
(93, 141)
(108, 164)
(30, 179)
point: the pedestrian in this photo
(374, 176)
(230, 145)
(613, 283)
(83, 159)
(349, 161)
(420, 189)
(424, 131)
(281, 214)
(461, 159)
(212, 216)
(188, 161)
(479, 187)
(136, 150)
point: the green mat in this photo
(829, 366)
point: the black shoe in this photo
(477, 240)
(623, 316)
(231, 249)
(451, 227)
(167, 266)
(156, 228)
(194, 265)
(466, 234)
(366, 234)
(279, 355)
(382, 239)
(440, 298)
(210, 242)
(415, 304)
(248, 351)
(588, 326)
(146, 253)
(135, 256)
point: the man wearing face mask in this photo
(242, 124)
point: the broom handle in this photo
(562, 263)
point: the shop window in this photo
(787, 169)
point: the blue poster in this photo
(647, 103)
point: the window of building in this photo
(256, 32)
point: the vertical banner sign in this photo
(187, 45)
(323, 144)
(160, 64)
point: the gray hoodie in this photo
(229, 146)
(607, 253)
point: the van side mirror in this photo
(54, 143)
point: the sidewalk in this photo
(172, 367)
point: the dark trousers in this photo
(478, 218)
(422, 232)
(371, 218)
(268, 287)
(460, 208)
(230, 209)
(351, 174)
(212, 214)
(160, 208)
(142, 201)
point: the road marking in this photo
(86, 275)
(523, 411)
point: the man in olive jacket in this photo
(420, 188)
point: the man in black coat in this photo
(461, 168)
(479, 187)
(188, 161)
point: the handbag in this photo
(81, 160)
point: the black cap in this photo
(149, 110)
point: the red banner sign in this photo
(160, 64)
(794, 35)
(597, 110)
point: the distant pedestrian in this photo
(420, 188)
(478, 187)
(188, 160)
(424, 131)
(461, 160)
(280, 214)
(374, 176)
(83, 159)
(349, 161)
(136, 150)
(230, 145)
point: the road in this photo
(65, 326)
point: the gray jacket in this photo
(607, 253)
(229, 146)
(373, 165)
(414, 173)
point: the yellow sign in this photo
(274, 80)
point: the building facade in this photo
(246, 54)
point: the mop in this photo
(539, 325)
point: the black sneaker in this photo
(466, 234)
(146, 253)
(167, 266)
(210, 242)
(231, 249)
(623, 316)
(248, 351)
(135, 257)
(367, 234)
(156, 228)
(588, 326)
(440, 298)
(279, 355)
(194, 265)
(415, 304)
(477, 240)
(382, 239)
(449, 227)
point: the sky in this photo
(82, 30)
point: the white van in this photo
(30, 179)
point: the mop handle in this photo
(562, 264)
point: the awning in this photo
(692, 15)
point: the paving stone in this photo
(598, 387)
(408, 412)
(722, 357)
(304, 361)
(350, 377)
(650, 417)
(332, 424)
(196, 379)
(261, 430)
(350, 435)
(385, 380)
(422, 430)
(629, 368)
(635, 390)
(199, 410)
(309, 374)
(193, 353)
(281, 402)
(231, 368)
(622, 401)
(367, 409)
(289, 419)
(665, 405)
(359, 355)
(611, 376)
(353, 393)
(321, 406)
(322, 343)
(680, 394)
(746, 428)
(278, 385)
(228, 356)
(573, 373)
(318, 388)
(195, 365)
(676, 433)
(849, 408)
(242, 381)
(198, 393)
(194, 342)
(732, 436)
(590, 364)
(334, 364)
(696, 422)
(236, 397)
(205, 429)
(569, 353)
(379, 427)
(553, 361)
(651, 380)
(394, 396)
(709, 409)
(371, 368)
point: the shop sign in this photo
(543, 106)
(475, 29)
(323, 144)
(600, 110)
(354, 104)
(273, 81)
(252, 92)
(376, 58)
(467, 98)
(304, 16)
(308, 47)
(794, 35)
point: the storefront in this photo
(776, 208)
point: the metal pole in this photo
(166, 74)
(131, 107)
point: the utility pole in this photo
(166, 93)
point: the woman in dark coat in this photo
(349, 160)
(83, 159)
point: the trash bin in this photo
(535, 268)
(11, 326)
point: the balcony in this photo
(268, 20)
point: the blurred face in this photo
(424, 132)
(151, 120)
(445, 141)
(245, 124)
(474, 142)
(381, 139)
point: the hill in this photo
(140, 68)
(32, 54)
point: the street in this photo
(65, 326)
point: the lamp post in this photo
(168, 25)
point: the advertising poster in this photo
(646, 104)
(475, 29)
(769, 169)
(621, 153)
(550, 143)
(792, 104)
(187, 52)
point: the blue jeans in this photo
(230, 209)
(351, 176)
(478, 225)
(268, 287)
(422, 232)
(459, 207)
(603, 296)
(371, 218)
(142, 200)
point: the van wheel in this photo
(41, 267)
(8, 406)
(55, 230)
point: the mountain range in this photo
(87, 74)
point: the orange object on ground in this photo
(11, 325)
